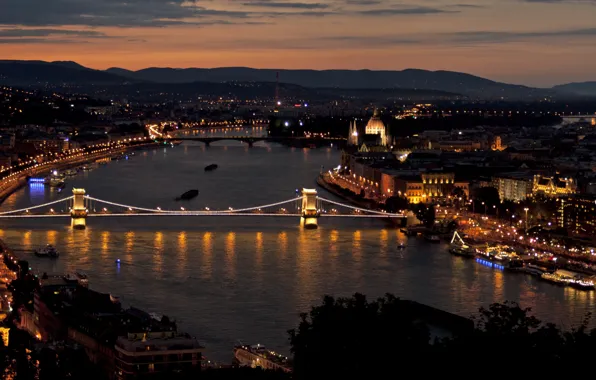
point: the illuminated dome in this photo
(376, 127)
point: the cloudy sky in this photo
(535, 42)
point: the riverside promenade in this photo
(17, 180)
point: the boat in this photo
(47, 251)
(554, 278)
(462, 250)
(86, 167)
(259, 356)
(210, 168)
(401, 245)
(582, 284)
(56, 182)
(535, 270)
(190, 194)
(70, 172)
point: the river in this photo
(226, 279)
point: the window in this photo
(151, 367)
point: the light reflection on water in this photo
(225, 279)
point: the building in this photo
(553, 186)
(49, 145)
(438, 184)
(428, 187)
(577, 214)
(375, 126)
(513, 186)
(157, 351)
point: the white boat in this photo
(70, 172)
(47, 251)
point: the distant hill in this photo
(580, 88)
(360, 83)
(19, 73)
(448, 81)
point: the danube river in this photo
(226, 279)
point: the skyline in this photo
(532, 42)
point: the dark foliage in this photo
(354, 338)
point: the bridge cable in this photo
(36, 207)
(358, 208)
(233, 211)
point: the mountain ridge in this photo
(69, 72)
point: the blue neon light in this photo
(490, 264)
(36, 180)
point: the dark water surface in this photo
(247, 278)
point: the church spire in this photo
(353, 134)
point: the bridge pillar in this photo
(78, 212)
(250, 143)
(310, 212)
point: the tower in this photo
(376, 127)
(353, 134)
(78, 212)
(310, 211)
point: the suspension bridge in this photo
(307, 206)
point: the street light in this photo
(526, 210)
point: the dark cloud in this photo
(492, 36)
(18, 32)
(561, 1)
(289, 5)
(363, 2)
(6, 41)
(123, 13)
(404, 11)
(467, 6)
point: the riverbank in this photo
(9, 186)
(323, 181)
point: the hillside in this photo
(580, 88)
(26, 73)
(448, 81)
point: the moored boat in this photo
(210, 168)
(462, 250)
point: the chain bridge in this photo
(307, 206)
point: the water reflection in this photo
(129, 242)
(230, 255)
(27, 241)
(105, 242)
(182, 250)
(282, 239)
(206, 266)
(158, 251)
(259, 249)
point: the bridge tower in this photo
(310, 212)
(78, 211)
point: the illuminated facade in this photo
(375, 126)
(428, 187)
(5, 332)
(438, 185)
(513, 188)
(553, 186)
(577, 214)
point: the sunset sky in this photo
(534, 42)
